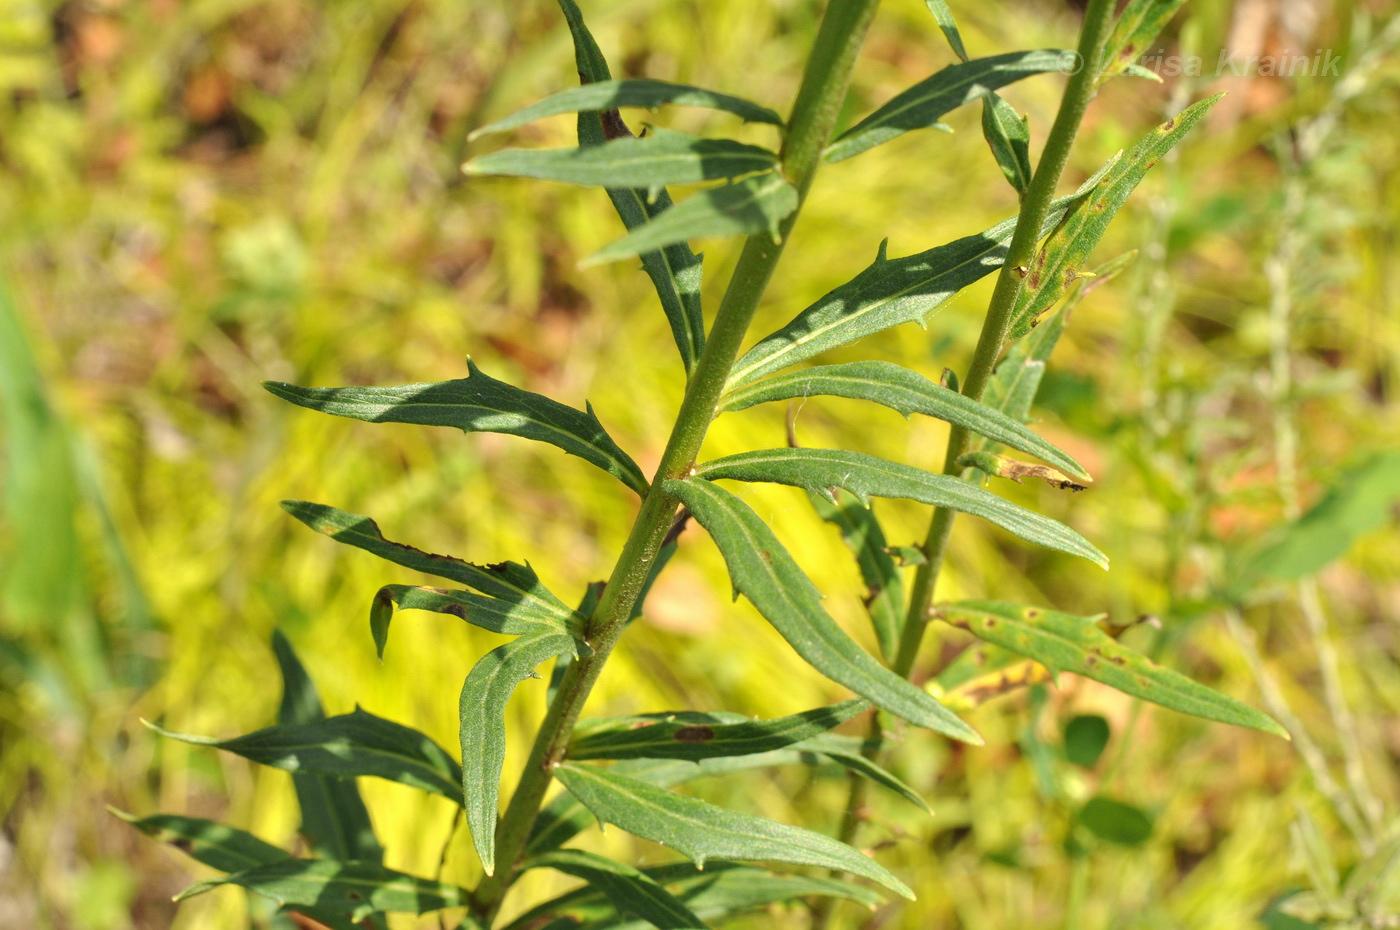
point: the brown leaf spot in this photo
(696, 734)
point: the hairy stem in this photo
(824, 83)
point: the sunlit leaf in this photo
(355, 888)
(482, 711)
(1009, 136)
(764, 572)
(846, 751)
(1064, 255)
(1068, 643)
(634, 92)
(348, 746)
(511, 582)
(884, 588)
(908, 392)
(702, 735)
(702, 831)
(949, 26)
(1132, 35)
(214, 844)
(818, 470)
(921, 105)
(752, 205)
(632, 892)
(982, 672)
(476, 404)
(490, 613)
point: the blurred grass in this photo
(201, 196)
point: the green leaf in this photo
(1008, 134)
(476, 404)
(1116, 822)
(348, 746)
(818, 470)
(675, 271)
(907, 392)
(949, 26)
(214, 844)
(1360, 500)
(982, 672)
(698, 735)
(482, 710)
(334, 819)
(1137, 26)
(884, 588)
(702, 831)
(660, 157)
(886, 294)
(490, 613)
(355, 888)
(921, 105)
(634, 92)
(1063, 256)
(1068, 643)
(764, 572)
(1086, 736)
(630, 891)
(752, 205)
(509, 581)
(846, 751)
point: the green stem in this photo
(824, 84)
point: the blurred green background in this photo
(197, 196)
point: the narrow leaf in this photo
(863, 475)
(752, 205)
(508, 581)
(1009, 136)
(886, 294)
(982, 672)
(884, 588)
(1067, 643)
(632, 892)
(847, 752)
(482, 708)
(214, 844)
(697, 735)
(949, 26)
(1137, 26)
(355, 888)
(702, 831)
(764, 572)
(509, 618)
(634, 92)
(921, 105)
(476, 404)
(1063, 256)
(908, 392)
(334, 819)
(675, 271)
(348, 746)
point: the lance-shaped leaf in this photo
(634, 92)
(719, 890)
(818, 470)
(1063, 256)
(355, 888)
(490, 613)
(1009, 136)
(476, 404)
(752, 205)
(482, 709)
(1137, 26)
(982, 672)
(848, 752)
(886, 294)
(921, 105)
(334, 819)
(508, 581)
(660, 157)
(884, 588)
(764, 572)
(1068, 643)
(631, 892)
(675, 271)
(703, 831)
(347, 746)
(216, 845)
(949, 26)
(703, 735)
(908, 392)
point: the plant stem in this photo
(824, 83)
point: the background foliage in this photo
(197, 197)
